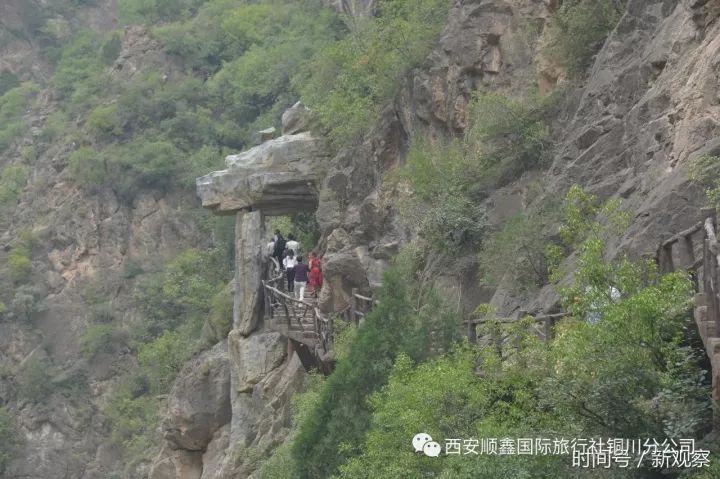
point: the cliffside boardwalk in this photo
(679, 253)
(301, 321)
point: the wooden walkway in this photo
(695, 250)
(301, 321)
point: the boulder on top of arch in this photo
(277, 177)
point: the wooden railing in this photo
(547, 322)
(359, 307)
(279, 303)
(679, 253)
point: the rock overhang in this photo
(278, 177)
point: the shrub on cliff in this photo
(631, 373)
(12, 181)
(34, 380)
(348, 81)
(13, 105)
(8, 437)
(450, 179)
(102, 338)
(332, 431)
(705, 171)
(579, 29)
(518, 249)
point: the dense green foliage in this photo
(174, 304)
(578, 30)
(449, 179)
(631, 372)
(34, 381)
(102, 338)
(302, 225)
(152, 11)
(332, 431)
(518, 248)
(13, 104)
(80, 75)
(705, 171)
(350, 80)
(155, 132)
(8, 437)
(8, 81)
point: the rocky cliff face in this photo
(84, 241)
(648, 107)
(650, 104)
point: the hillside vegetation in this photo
(619, 366)
(233, 67)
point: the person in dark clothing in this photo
(290, 263)
(301, 278)
(279, 251)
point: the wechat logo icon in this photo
(423, 443)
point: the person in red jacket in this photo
(316, 277)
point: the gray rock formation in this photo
(297, 119)
(249, 267)
(199, 403)
(254, 357)
(177, 464)
(278, 177)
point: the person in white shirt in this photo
(292, 244)
(289, 263)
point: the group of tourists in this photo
(300, 275)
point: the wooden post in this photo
(709, 213)
(714, 284)
(549, 325)
(687, 255)
(666, 260)
(472, 332)
(708, 279)
(353, 306)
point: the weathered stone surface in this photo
(262, 417)
(260, 137)
(353, 8)
(296, 119)
(278, 177)
(249, 264)
(216, 454)
(199, 403)
(177, 464)
(254, 357)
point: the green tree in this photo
(13, 105)
(8, 437)
(79, 76)
(579, 29)
(630, 372)
(332, 431)
(349, 81)
(704, 171)
(8, 81)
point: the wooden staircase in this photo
(309, 333)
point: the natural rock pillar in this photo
(249, 236)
